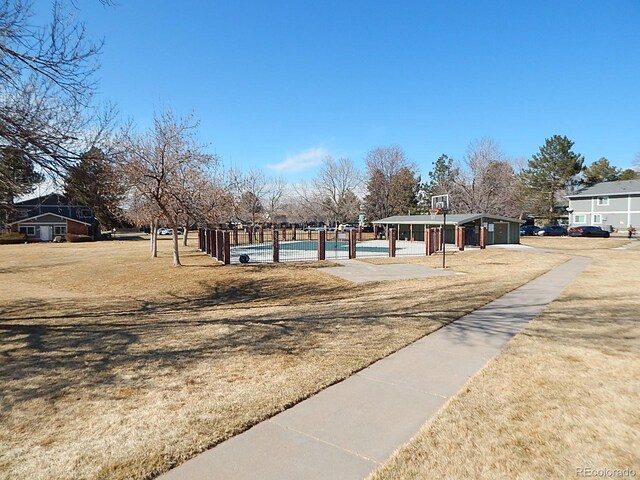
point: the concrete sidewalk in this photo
(362, 272)
(346, 430)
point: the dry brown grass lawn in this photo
(113, 365)
(562, 395)
(573, 243)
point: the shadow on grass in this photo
(43, 356)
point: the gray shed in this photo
(500, 230)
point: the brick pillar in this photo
(250, 235)
(205, 241)
(213, 242)
(235, 235)
(322, 244)
(375, 232)
(352, 243)
(261, 234)
(392, 242)
(284, 234)
(483, 237)
(293, 234)
(227, 247)
(359, 234)
(309, 234)
(276, 247)
(461, 239)
(443, 240)
(457, 241)
(427, 241)
(219, 252)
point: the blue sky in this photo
(281, 84)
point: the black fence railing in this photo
(290, 245)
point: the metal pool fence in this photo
(262, 245)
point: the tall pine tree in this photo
(93, 182)
(551, 170)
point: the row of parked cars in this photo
(560, 231)
(169, 231)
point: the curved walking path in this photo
(346, 430)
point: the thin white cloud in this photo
(300, 161)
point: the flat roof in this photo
(454, 219)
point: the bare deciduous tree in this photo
(160, 167)
(46, 86)
(335, 187)
(485, 182)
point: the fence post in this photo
(204, 241)
(359, 234)
(213, 243)
(293, 234)
(309, 234)
(483, 237)
(427, 241)
(392, 242)
(352, 244)
(457, 236)
(276, 247)
(235, 235)
(284, 234)
(322, 244)
(261, 234)
(461, 239)
(443, 240)
(227, 248)
(220, 245)
(250, 233)
(375, 232)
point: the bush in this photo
(72, 237)
(12, 237)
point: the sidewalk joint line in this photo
(393, 384)
(351, 452)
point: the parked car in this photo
(588, 232)
(165, 231)
(529, 230)
(552, 231)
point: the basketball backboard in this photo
(440, 201)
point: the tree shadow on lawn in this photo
(42, 359)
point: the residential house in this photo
(607, 205)
(50, 216)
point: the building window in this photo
(603, 200)
(29, 230)
(84, 213)
(579, 219)
(597, 218)
(59, 230)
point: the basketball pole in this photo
(444, 236)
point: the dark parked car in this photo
(529, 230)
(552, 231)
(588, 232)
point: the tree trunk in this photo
(176, 253)
(186, 234)
(154, 239)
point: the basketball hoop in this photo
(434, 212)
